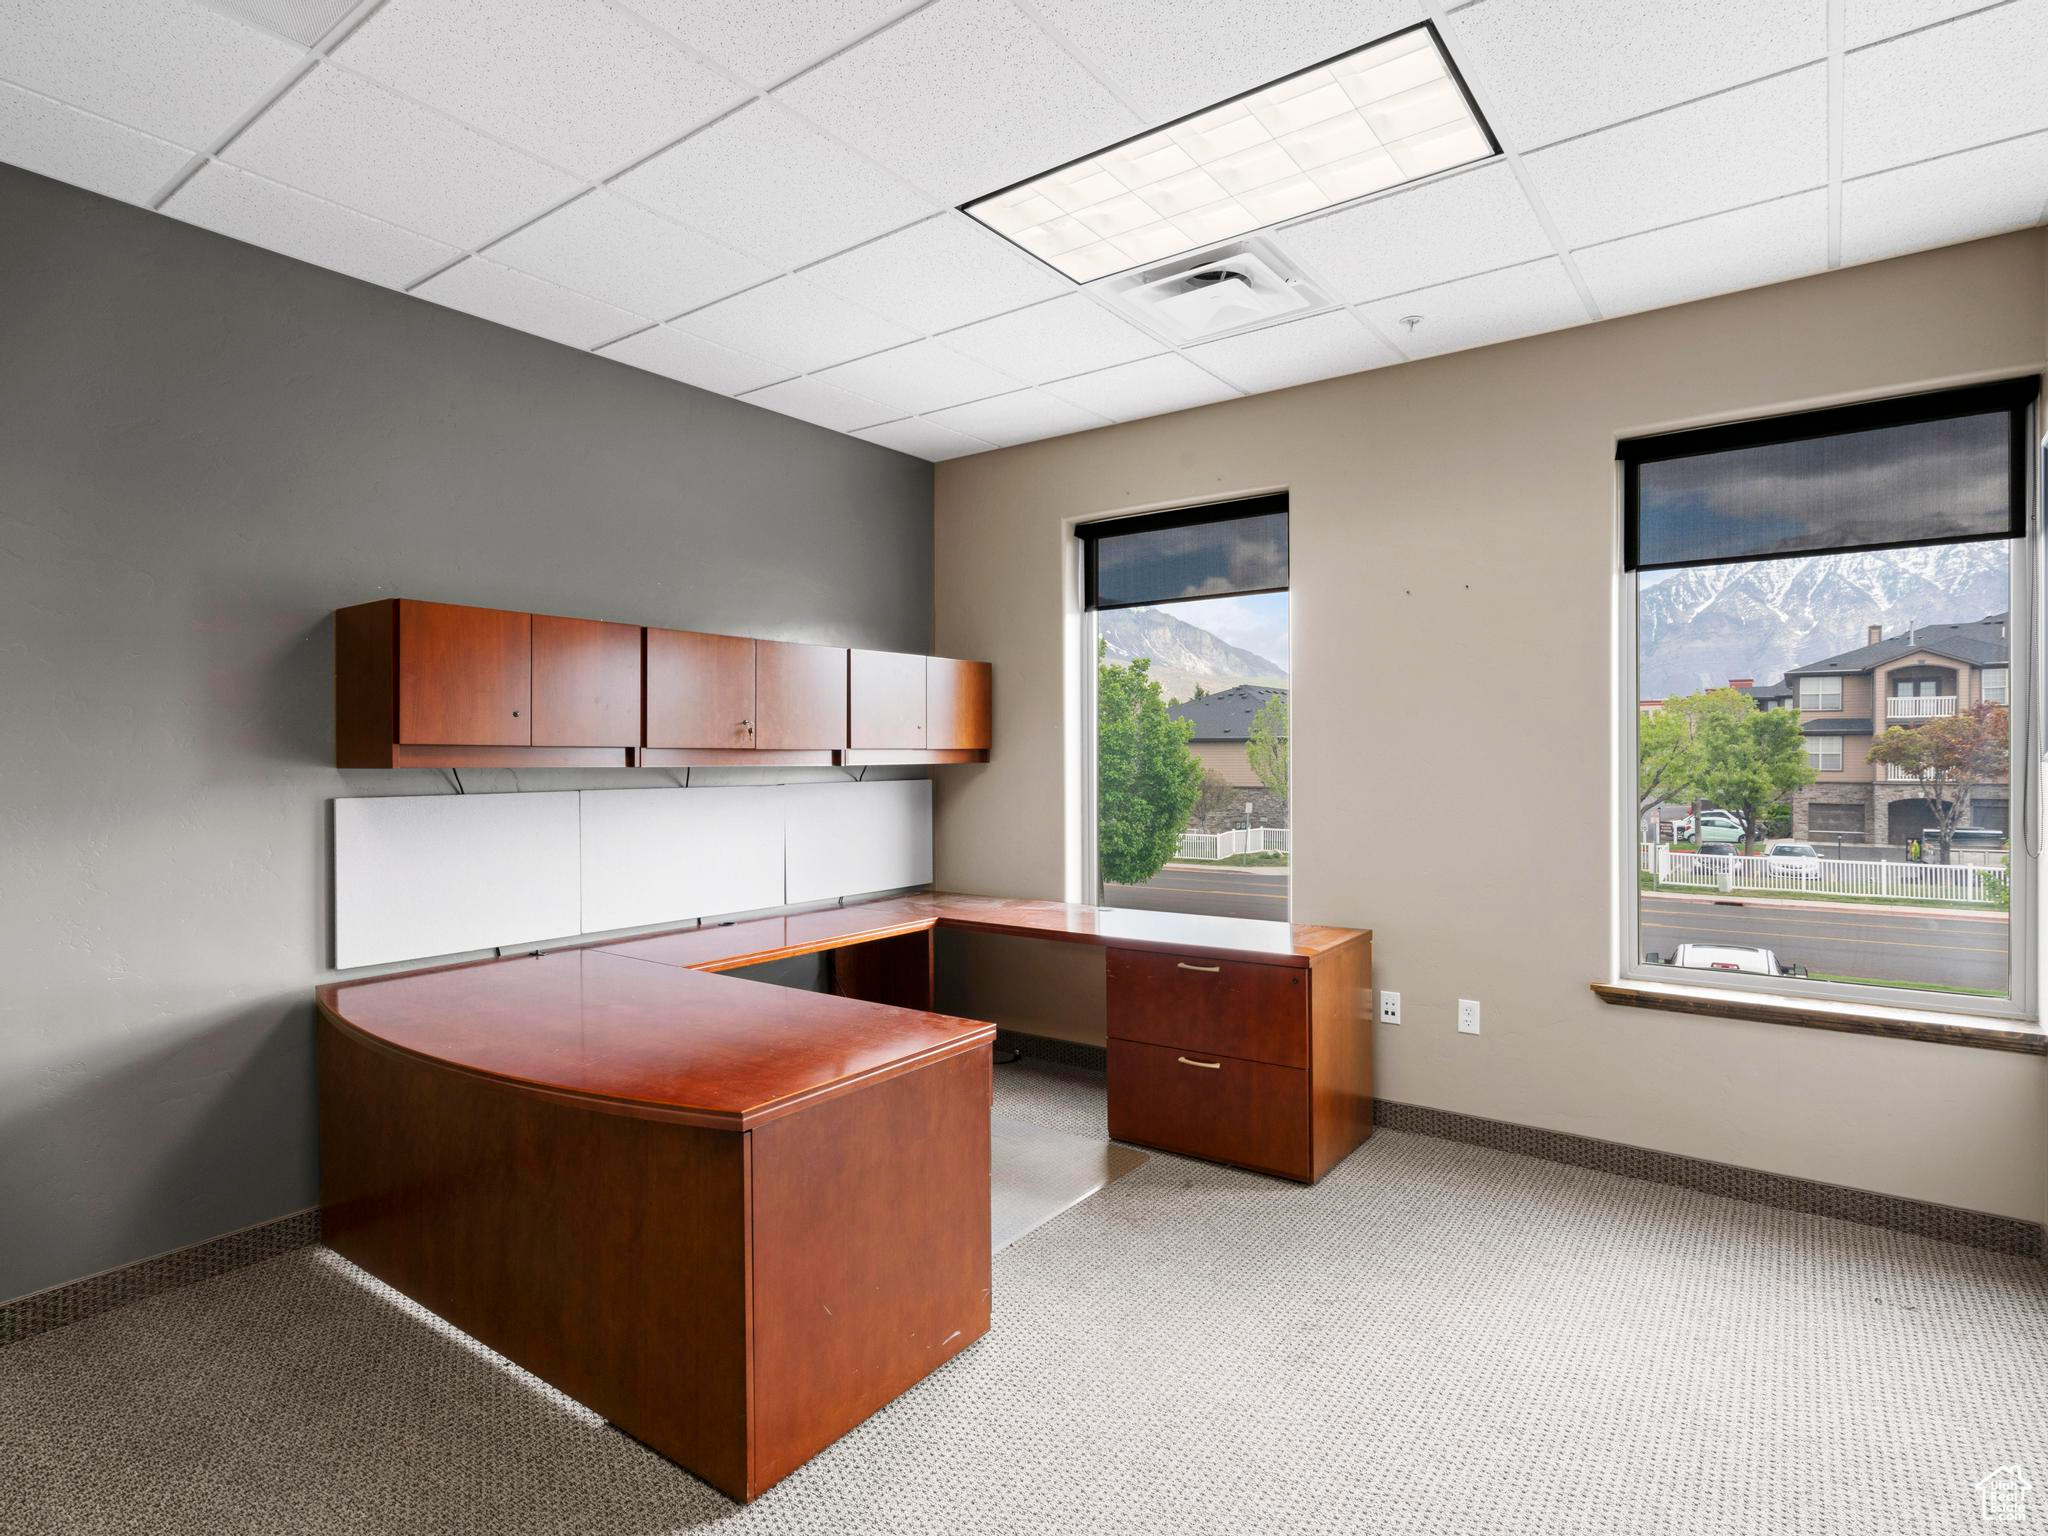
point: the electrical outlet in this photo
(1390, 1007)
(1468, 1016)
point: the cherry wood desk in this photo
(737, 1219)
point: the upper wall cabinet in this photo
(917, 709)
(436, 685)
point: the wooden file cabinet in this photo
(1264, 1065)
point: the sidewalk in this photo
(1747, 899)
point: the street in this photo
(1223, 892)
(1874, 942)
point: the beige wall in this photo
(1229, 759)
(1451, 509)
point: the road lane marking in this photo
(1747, 933)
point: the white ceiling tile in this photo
(1871, 21)
(790, 322)
(1747, 248)
(1548, 69)
(767, 43)
(491, 292)
(944, 272)
(821, 404)
(243, 206)
(1054, 340)
(52, 139)
(692, 360)
(1743, 146)
(1171, 59)
(924, 376)
(1297, 352)
(1476, 311)
(1147, 388)
(1024, 417)
(1941, 202)
(1955, 86)
(1428, 234)
(173, 68)
(961, 98)
(338, 136)
(572, 81)
(617, 251)
(771, 185)
(924, 440)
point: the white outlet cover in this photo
(1390, 1007)
(1468, 1016)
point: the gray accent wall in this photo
(205, 448)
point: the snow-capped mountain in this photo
(1698, 628)
(1183, 655)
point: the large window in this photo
(1190, 705)
(1857, 843)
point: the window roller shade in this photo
(1226, 550)
(1924, 469)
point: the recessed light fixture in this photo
(1367, 120)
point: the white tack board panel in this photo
(422, 875)
(846, 839)
(669, 855)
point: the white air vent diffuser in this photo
(303, 21)
(1215, 294)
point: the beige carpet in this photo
(1438, 1339)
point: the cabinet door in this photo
(700, 690)
(465, 676)
(800, 696)
(887, 690)
(586, 683)
(956, 708)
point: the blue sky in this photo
(1256, 623)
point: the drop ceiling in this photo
(762, 201)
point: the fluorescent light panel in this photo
(1374, 118)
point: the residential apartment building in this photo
(1223, 727)
(1845, 702)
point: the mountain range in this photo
(1700, 627)
(1183, 655)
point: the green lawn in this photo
(1648, 882)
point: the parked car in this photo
(1745, 958)
(1798, 859)
(1714, 827)
(1976, 837)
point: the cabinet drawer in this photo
(1224, 1007)
(1250, 1113)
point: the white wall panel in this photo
(669, 855)
(845, 839)
(421, 875)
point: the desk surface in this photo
(665, 1038)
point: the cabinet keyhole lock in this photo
(515, 714)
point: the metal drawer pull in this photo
(1213, 1066)
(1212, 969)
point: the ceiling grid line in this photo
(1837, 110)
(1513, 157)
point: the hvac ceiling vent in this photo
(1212, 295)
(303, 21)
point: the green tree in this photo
(1266, 746)
(1951, 755)
(1146, 775)
(1668, 760)
(1750, 759)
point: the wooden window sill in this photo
(1850, 1018)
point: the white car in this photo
(1714, 827)
(1797, 859)
(1732, 957)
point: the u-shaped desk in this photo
(737, 1219)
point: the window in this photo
(1189, 644)
(1820, 693)
(1900, 528)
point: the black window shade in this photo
(1222, 550)
(1939, 468)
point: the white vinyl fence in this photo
(1837, 877)
(1224, 845)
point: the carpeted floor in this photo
(1438, 1339)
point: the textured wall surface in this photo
(1455, 641)
(204, 449)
